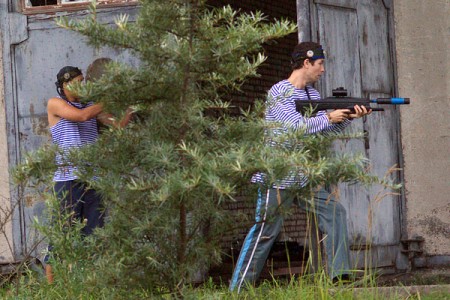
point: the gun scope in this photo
(339, 92)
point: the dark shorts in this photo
(86, 204)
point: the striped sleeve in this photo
(282, 109)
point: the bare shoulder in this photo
(55, 104)
(54, 101)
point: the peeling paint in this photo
(40, 125)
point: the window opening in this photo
(49, 5)
(42, 2)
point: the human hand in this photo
(360, 111)
(339, 115)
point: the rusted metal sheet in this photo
(18, 28)
(36, 50)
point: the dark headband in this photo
(67, 73)
(310, 54)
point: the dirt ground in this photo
(422, 276)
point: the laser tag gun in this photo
(340, 100)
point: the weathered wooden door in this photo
(357, 37)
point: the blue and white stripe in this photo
(68, 135)
(256, 231)
(281, 110)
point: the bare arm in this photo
(108, 119)
(58, 108)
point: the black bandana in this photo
(67, 73)
(310, 54)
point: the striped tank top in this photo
(68, 135)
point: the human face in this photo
(315, 70)
(72, 95)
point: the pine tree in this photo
(168, 175)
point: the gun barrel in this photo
(394, 101)
(302, 106)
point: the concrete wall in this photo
(423, 57)
(6, 238)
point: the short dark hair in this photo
(306, 50)
(97, 68)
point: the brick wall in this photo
(277, 65)
(276, 68)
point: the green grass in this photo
(71, 284)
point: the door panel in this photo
(376, 63)
(355, 35)
(338, 33)
(383, 137)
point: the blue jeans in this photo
(332, 222)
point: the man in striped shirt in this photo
(307, 68)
